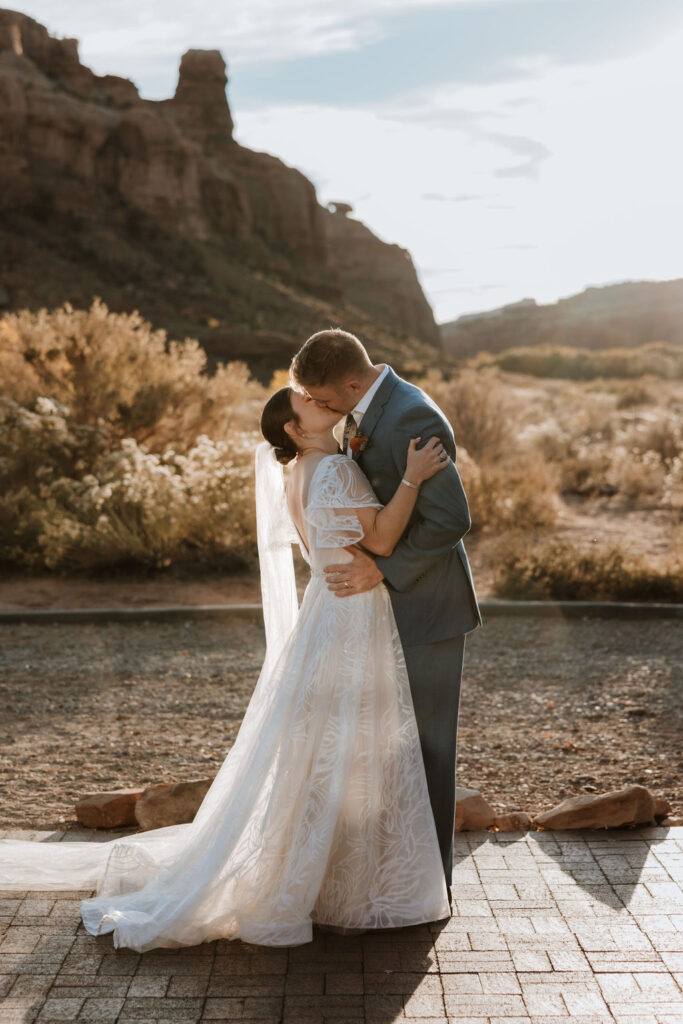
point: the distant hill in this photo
(614, 316)
(153, 205)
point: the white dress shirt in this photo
(361, 406)
(363, 403)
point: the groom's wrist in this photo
(376, 568)
(378, 559)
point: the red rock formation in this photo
(379, 278)
(112, 184)
(200, 104)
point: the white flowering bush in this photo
(76, 490)
(91, 501)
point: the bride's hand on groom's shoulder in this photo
(423, 463)
(354, 577)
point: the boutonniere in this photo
(359, 443)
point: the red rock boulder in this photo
(170, 803)
(108, 810)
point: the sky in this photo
(517, 148)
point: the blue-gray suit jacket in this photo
(427, 575)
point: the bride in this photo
(320, 812)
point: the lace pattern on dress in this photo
(338, 486)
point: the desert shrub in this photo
(630, 395)
(506, 483)
(280, 379)
(633, 458)
(662, 435)
(578, 463)
(113, 368)
(656, 358)
(589, 446)
(673, 485)
(480, 409)
(556, 570)
(637, 476)
(116, 448)
(515, 493)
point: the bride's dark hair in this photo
(276, 412)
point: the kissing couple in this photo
(335, 806)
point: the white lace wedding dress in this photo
(320, 811)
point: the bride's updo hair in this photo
(276, 412)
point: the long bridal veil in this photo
(152, 861)
(275, 535)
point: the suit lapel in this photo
(373, 413)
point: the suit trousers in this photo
(435, 673)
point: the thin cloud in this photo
(534, 151)
(520, 101)
(246, 31)
(424, 111)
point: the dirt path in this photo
(549, 708)
(54, 592)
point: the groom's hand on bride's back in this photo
(354, 577)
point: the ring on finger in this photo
(346, 583)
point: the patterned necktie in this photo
(350, 430)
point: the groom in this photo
(427, 575)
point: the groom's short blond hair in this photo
(327, 357)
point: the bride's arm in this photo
(382, 528)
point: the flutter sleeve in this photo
(338, 486)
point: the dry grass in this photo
(510, 494)
(656, 359)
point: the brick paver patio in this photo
(581, 925)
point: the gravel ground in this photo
(549, 708)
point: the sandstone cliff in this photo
(153, 205)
